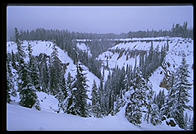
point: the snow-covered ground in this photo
(21, 119)
(46, 47)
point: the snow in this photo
(156, 78)
(21, 118)
(82, 40)
(47, 102)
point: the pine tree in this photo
(96, 107)
(26, 89)
(138, 99)
(33, 68)
(155, 115)
(61, 96)
(159, 100)
(102, 93)
(55, 72)
(149, 102)
(70, 100)
(14, 61)
(182, 86)
(178, 96)
(44, 77)
(118, 104)
(9, 82)
(79, 94)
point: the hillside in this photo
(45, 47)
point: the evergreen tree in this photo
(26, 89)
(80, 93)
(178, 96)
(29, 97)
(61, 96)
(149, 102)
(138, 99)
(9, 82)
(33, 68)
(14, 61)
(155, 115)
(70, 100)
(159, 100)
(96, 107)
(44, 77)
(55, 72)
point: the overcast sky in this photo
(98, 19)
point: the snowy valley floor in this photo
(21, 118)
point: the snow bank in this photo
(21, 118)
(47, 102)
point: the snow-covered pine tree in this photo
(127, 77)
(62, 94)
(149, 102)
(9, 81)
(138, 98)
(70, 100)
(120, 102)
(33, 68)
(178, 96)
(22, 67)
(80, 93)
(96, 107)
(182, 86)
(44, 77)
(55, 72)
(159, 99)
(14, 61)
(155, 115)
(28, 97)
(102, 94)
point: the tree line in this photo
(177, 30)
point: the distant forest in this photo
(177, 30)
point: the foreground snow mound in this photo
(47, 102)
(21, 118)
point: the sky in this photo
(98, 19)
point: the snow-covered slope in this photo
(83, 47)
(46, 47)
(177, 47)
(114, 59)
(21, 118)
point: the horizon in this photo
(98, 19)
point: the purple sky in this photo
(99, 19)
